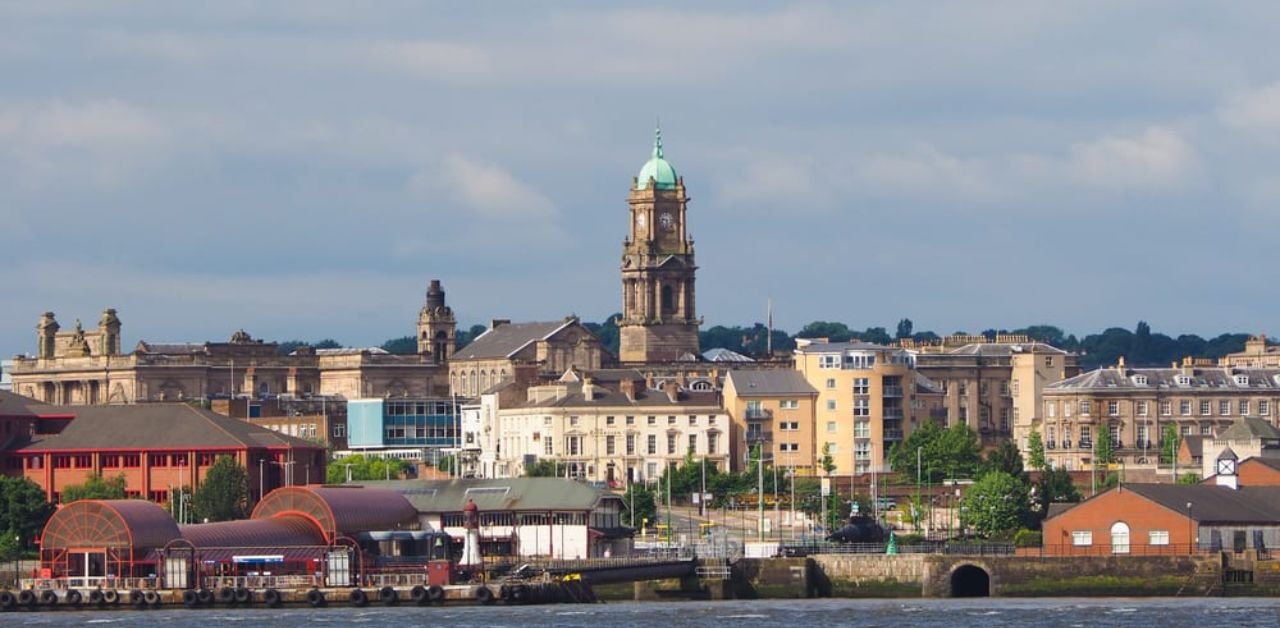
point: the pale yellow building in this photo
(774, 409)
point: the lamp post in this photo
(1191, 544)
(262, 486)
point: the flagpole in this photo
(769, 338)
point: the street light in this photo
(1191, 544)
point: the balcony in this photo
(1050, 445)
(759, 414)
(1066, 444)
(1086, 444)
(892, 391)
(892, 414)
(759, 436)
(893, 434)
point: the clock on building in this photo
(639, 220)
(1226, 466)
(666, 221)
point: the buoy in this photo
(137, 598)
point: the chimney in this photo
(648, 380)
(628, 388)
(498, 322)
(672, 389)
(588, 389)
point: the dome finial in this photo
(657, 140)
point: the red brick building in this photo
(156, 447)
(1154, 519)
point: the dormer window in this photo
(1242, 380)
(1139, 380)
(1183, 380)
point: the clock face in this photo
(1226, 467)
(640, 220)
(666, 221)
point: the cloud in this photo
(1256, 109)
(1158, 158)
(488, 189)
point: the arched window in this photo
(668, 301)
(1119, 538)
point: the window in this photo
(831, 427)
(653, 444)
(1066, 408)
(671, 420)
(1052, 433)
(1052, 409)
(711, 443)
(1084, 407)
(1158, 537)
(1142, 408)
(83, 461)
(573, 444)
(339, 430)
(62, 462)
(653, 420)
(631, 420)
(1139, 380)
(829, 362)
(1082, 537)
(548, 447)
(861, 386)
(671, 444)
(608, 420)
(1166, 408)
(833, 449)
(131, 460)
(573, 420)
(1242, 380)
(693, 419)
(1143, 435)
(693, 443)
(861, 407)
(862, 429)
(1206, 429)
(1205, 408)
(1004, 389)
(789, 404)
(831, 383)
(1186, 430)
(1048, 360)
(1184, 407)
(1113, 408)
(1264, 407)
(1182, 380)
(610, 444)
(831, 404)
(631, 444)
(1244, 407)
(1086, 437)
(110, 461)
(157, 460)
(1004, 419)
(1224, 408)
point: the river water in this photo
(986, 613)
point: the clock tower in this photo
(659, 321)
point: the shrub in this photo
(1027, 538)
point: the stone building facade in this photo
(548, 348)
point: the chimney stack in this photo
(628, 388)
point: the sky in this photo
(304, 169)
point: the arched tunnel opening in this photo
(970, 581)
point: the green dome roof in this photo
(657, 168)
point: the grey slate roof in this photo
(769, 382)
(506, 339)
(1249, 429)
(170, 348)
(1166, 378)
(159, 426)
(647, 398)
(13, 404)
(500, 494)
(1212, 505)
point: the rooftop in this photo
(159, 426)
(505, 494)
(752, 382)
(506, 339)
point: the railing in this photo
(893, 391)
(757, 414)
(59, 584)
(928, 547)
(893, 434)
(263, 582)
(1105, 549)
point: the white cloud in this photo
(1158, 158)
(98, 141)
(488, 189)
(1257, 109)
(926, 170)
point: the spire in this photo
(657, 142)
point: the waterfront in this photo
(988, 612)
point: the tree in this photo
(1055, 486)
(827, 462)
(1005, 457)
(543, 469)
(998, 503)
(446, 464)
(834, 332)
(359, 467)
(404, 345)
(951, 452)
(224, 495)
(641, 505)
(1035, 450)
(1171, 441)
(904, 328)
(23, 510)
(95, 487)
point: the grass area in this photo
(889, 588)
(1093, 585)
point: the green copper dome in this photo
(657, 168)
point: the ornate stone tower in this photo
(109, 330)
(659, 321)
(437, 329)
(46, 336)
